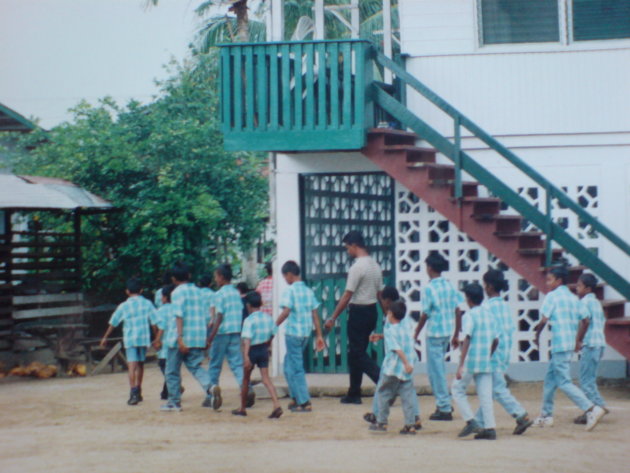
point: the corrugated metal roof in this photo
(31, 192)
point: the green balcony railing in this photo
(296, 96)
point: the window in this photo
(601, 19)
(519, 21)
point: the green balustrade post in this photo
(548, 226)
(458, 159)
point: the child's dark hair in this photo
(474, 293)
(225, 270)
(166, 278)
(242, 288)
(390, 293)
(205, 280)
(589, 280)
(269, 268)
(254, 299)
(134, 286)
(436, 262)
(181, 272)
(354, 237)
(167, 291)
(291, 267)
(398, 309)
(560, 272)
(496, 279)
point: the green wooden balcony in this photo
(296, 96)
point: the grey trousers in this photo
(387, 390)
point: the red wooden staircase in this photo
(395, 152)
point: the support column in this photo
(319, 20)
(387, 36)
(275, 24)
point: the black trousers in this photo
(162, 365)
(361, 323)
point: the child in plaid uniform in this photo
(136, 313)
(495, 282)
(225, 338)
(265, 289)
(591, 341)
(442, 316)
(396, 372)
(192, 316)
(299, 309)
(167, 329)
(563, 310)
(481, 332)
(258, 332)
(205, 281)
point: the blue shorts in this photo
(259, 355)
(136, 354)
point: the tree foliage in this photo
(180, 195)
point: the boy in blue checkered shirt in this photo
(136, 313)
(397, 372)
(225, 336)
(443, 317)
(167, 328)
(591, 341)
(299, 309)
(258, 332)
(563, 310)
(481, 338)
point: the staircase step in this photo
(508, 223)
(469, 188)
(614, 309)
(556, 253)
(621, 321)
(484, 208)
(414, 153)
(434, 170)
(391, 136)
(526, 240)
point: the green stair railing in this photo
(465, 163)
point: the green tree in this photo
(180, 195)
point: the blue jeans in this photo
(588, 373)
(294, 368)
(436, 350)
(226, 345)
(559, 377)
(192, 360)
(501, 393)
(375, 401)
(483, 382)
(387, 389)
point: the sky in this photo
(53, 53)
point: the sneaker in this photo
(471, 427)
(522, 424)
(593, 416)
(369, 417)
(251, 398)
(543, 421)
(580, 420)
(408, 430)
(171, 407)
(217, 400)
(350, 400)
(439, 415)
(207, 402)
(487, 434)
(417, 424)
(378, 427)
(133, 399)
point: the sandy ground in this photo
(84, 425)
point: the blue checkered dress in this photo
(300, 300)
(191, 306)
(564, 311)
(259, 327)
(482, 328)
(500, 311)
(228, 302)
(439, 301)
(135, 314)
(398, 337)
(167, 323)
(595, 334)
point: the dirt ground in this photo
(84, 425)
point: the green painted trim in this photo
(17, 117)
(304, 140)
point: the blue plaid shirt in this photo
(209, 295)
(259, 327)
(439, 301)
(500, 311)
(157, 298)
(301, 301)
(398, 337)
(135, 314)
(166, 322)
(191, 306)
(227, 301)
(564, 311)
(595, 334)
(482, 328)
